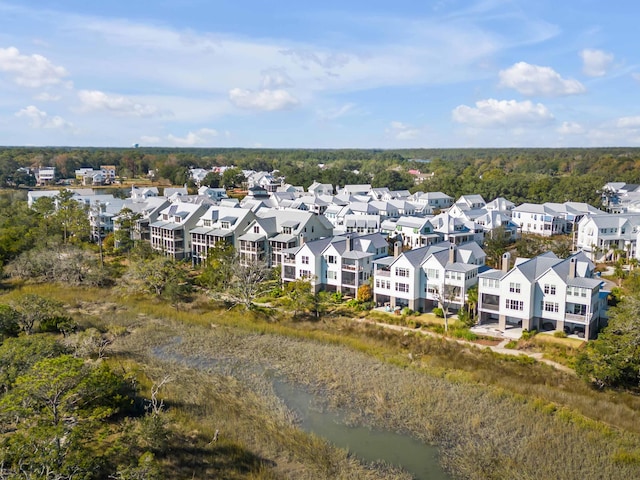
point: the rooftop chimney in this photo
(506, 261)
(452, 253)
(397, 248)
(573, 265)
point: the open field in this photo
(491, 416)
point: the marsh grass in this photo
(493, 416)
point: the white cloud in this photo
(33, 71)
(268, 100)
(595, 62)
(628, 122)
(41, 119)
(47, 97)
(402, 131)
(93, 100)
(200, 137)
(536, 80)
(570, 128)
(502, 113)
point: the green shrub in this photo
(464, 333)
(438, 312)
(560, 334)
(406, 311)
(438, 329)
(512, 344)
(526, 334)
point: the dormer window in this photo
(207, 223)
(256, 229)
(225, 225)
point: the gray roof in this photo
(252, 237)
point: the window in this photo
(332, 275)
(402, 272)
(551, 307)
(305, 260)
(305, 274)
(402, 287)
(256, 229)
(432, 273)
(514, 304)
(549, 289)
(514, 287)
(331, 259)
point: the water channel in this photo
(369, 445)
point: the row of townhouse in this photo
(424, 277)
(544, 293)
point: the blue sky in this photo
(331, 74)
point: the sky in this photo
(330, 74)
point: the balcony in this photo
(489, 306)
(575, 318)
(351, 267)
(383, 273)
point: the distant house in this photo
(45, 175)
(551, 218)
(108, 173)
(320, 188)
(432, 201)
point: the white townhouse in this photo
(273, 231)
(471, 202)
(363, 190)
(432, 201)
(169, 234)
(494, 219)
(544, 293)
(360, 224)
(600, 235)
(501, 205)
(551, 218)
(320, 189)
(620, 197)
(218, 224)
(266, 180)
(102, 212)
(415, 231)
(340, 263)
(215, 194)
(141, 194)
(145, 211)
(426, 277)
(539, 219)
(457, 230)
